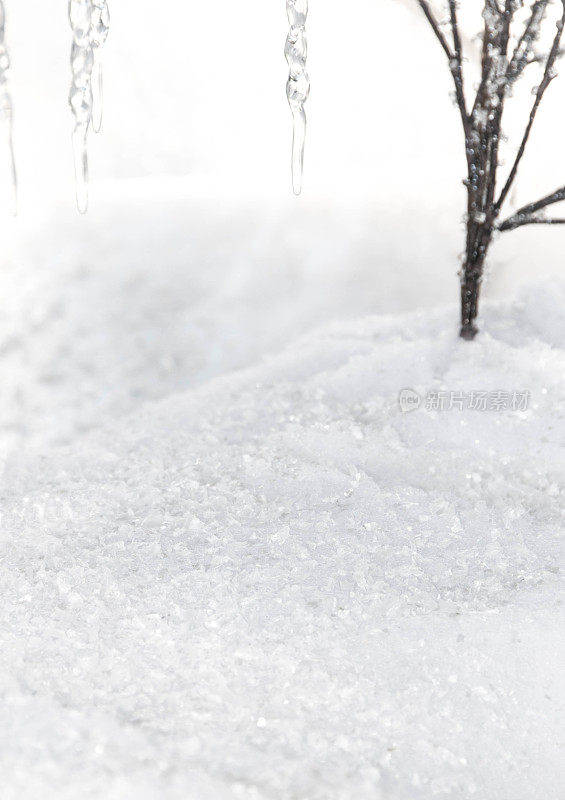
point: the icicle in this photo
(298, 86)
(90, 23)
(97, 94)
(6, 116)
(80, 97)
(100, 30)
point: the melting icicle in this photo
(90, 24)
(6, 117)
(80, 97)
(100, 30)
(97, 94)
(298, 86)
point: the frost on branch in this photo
(90, 21)
(6, 114)
(298, 86)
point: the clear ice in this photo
(90, 23)
(298, 85)
(6, 115)
(100, 30)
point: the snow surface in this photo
(271, 584)
(278, 585)
(167, 285)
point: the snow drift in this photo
(279, 585)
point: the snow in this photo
(231, 567)
(168, 283)
(166, 286)
(279, 585)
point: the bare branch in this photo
(425, 6)
(456, 65)
(546, 80)
(496, 125)
(495, 44)
(455, 56)
(501, 65)
(530, 34)
(518, 222)
(550, 199)
(507, 16)
(539, 59)
(531, 209)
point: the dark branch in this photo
(554, 197)
(507, 15)
(546, 80)
(496, 36)
(539, 59)
(526, 212)
(456, 64)
(504, 40)
(455, 56)
(518, 222)
(425, 6)
(501, 65)
(530, 34)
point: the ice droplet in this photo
(90, 23)
(6, 121)
(298, 85)
(80, 153)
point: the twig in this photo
(517, 222)
(546, 80)
(538, 59)
(526, 41)
(532, 208)
(455, 56)
(456, 65)
(424, 5)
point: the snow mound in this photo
(168, 286)
(280, 585)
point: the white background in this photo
(198, 89)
